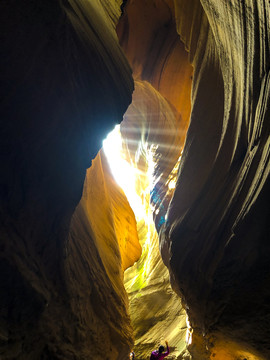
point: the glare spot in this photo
(123, 172)
(172, 184)
(189, 332)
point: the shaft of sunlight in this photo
(123, 172)
(127, 176)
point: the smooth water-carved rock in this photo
(64, 84)
(103, 241)
(151, 131)
(218, 216)
(155, 52)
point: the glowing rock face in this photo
(156, 54)
(151, 130)
(151, 139)
(66, 82)
(103, 242)
(154, 129)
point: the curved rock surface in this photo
(217, 230)
(103, 242)
(154, 129)
(156, 54)
(64, 84)
(151, 133)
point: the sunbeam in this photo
(146, 197)
(123, 172)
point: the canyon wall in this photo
(66, 239)
(216, 238)
(151, 134)
(64, 84)
(153, 130)
(102, 243)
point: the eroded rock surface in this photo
(154, 129)
(103, 242)
(64, 83)
(151, 131)
(217, 229)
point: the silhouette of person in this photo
(132, 355)
(159, 354)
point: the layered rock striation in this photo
(154, 129)
(102, 243)
(217, 229)
(64, 246)
(64, 84)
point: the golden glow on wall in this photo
(149, 274)
(189, 332)
(127, 176)
(172, 178)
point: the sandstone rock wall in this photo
(147, 34)
(103, 242)
(151, 131)
(154, 129)
(217, 229)
(64, 83)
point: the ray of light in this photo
(123, 172)
(126, 174)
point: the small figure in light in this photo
(159, 354)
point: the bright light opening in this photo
(188, 333)
(124, 173)
(127, 176)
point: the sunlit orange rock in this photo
(110, 217)
(154, 138)
(103, 241)
(147, 33)
(65, 82)
(151, 131)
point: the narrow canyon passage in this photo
(88, 271)
(135, 160)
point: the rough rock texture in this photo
(64, 83)
(217, 232)
(155, 309)
(155, 52)
(103, 242)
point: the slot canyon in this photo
(134, 180)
